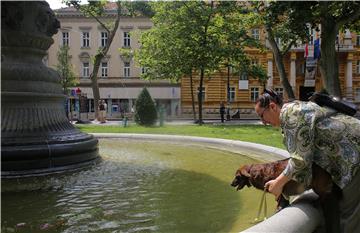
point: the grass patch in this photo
(265, 135)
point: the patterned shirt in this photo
(323, 136)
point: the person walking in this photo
(222, 112)
(320, 135)
(102, 111)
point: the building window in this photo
(358, 40)
(143, 70)
(280, 91)
(65, 38)
(126, 69)
(255, 33)
(126, 39)
(231, 94)
(244, 76)
(302, 68)
(85, 42)
(104, 69)
(357, 94)
(358, 67)
(254, 93)
(104, 39)
(203, 93)
(254, 62)
(85, 70)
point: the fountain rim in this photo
(249, 149)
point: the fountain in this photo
(36, 136)
(140, 186)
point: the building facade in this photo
(119, 76)
(244, 90)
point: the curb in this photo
(249, 149)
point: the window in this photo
(254, 62)
(302, 68)
(143, 70)
(65, 38)
(358, 40)
(244, 76)
(231, 94)
(104, 69)
(104, 39)
(357, 94)
(126, 69)
(203, 93)
(126, 39)
(85, 70)
(254, 93)
(85, 42)
(280, 91)
(255, 33)
(358, 67)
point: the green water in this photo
(139, 187)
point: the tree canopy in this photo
(195, 36)
(326, 16)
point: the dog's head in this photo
(241, 179)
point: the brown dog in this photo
(329, 194)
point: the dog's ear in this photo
(244, 172)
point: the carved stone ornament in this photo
(36, 136)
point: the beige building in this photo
(119, 76)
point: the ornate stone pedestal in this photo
(36, 136)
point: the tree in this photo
(65, 69)
(145, 110)
(236, 24)
(188, 37)
(66, 73)
(97, 9)
(160, 50)
(276, 27)
(330, 17)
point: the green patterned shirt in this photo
(323, 136)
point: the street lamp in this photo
(78, 93)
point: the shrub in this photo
(145, 110)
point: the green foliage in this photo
(188, 36)
(98, 7)
(145, 110)
(65, 69)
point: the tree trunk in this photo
(329, 66)
(279, 63)
(95, 87)
(202, 71)
(192, 97)
(100, 55)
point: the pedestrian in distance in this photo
(102, 111)
(222, 112)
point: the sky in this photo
(56, 4)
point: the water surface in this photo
(139, 187)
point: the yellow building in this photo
(245, 90)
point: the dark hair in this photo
(269, 96)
